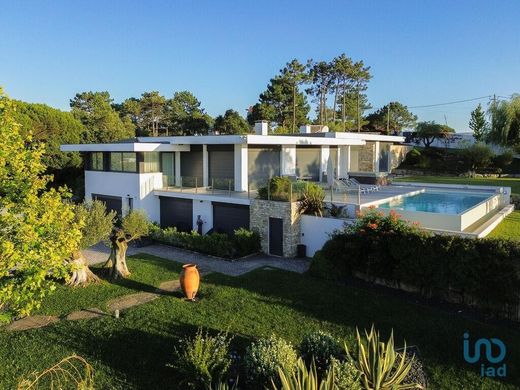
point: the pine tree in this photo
(478, 123)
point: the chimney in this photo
(305, 129)
(261, 127)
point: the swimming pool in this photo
(436, 202)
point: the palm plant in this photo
(377, 363)
(303, 379)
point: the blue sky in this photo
(420, 52)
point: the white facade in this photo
(144, 190)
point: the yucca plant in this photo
(303, 379)
(376, 361)
(224, 386)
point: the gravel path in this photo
(100, 252)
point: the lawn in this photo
(510, 227)
(132, 352)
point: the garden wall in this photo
(315, 231)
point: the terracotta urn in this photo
(189, 280)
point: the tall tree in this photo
(361, 76)
(185, 116)
(52, 127)
(152, 109)
(37, 228)
(428, 132)
(505, 122)
(103, 123)
(295, 74)
(393, 117)
(342, 68)
(231, 123)
(478, 123)
(322, 79)
(278, 104)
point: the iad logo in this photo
(490, 366)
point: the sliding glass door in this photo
(168, 168)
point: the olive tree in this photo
(133, 226)
(38, 229)
(97, 226)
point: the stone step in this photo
(31, 322)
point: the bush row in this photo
(242, 243)
(207, 361)
(483, 272)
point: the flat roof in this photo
(182, 143)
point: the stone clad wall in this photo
(366, 157)
(397, 155)
(259, 213)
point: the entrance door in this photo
(276, 236)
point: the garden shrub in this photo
(242, 243)
(320, 347)
(483, 272)
(321, 267)
(278, 188)
(246, 242)
(202, 360)
(346, 375)
(263, 358)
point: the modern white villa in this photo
(178, 179)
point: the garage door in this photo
(229, 217)
(177, 212)
(112, 203)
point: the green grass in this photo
(514, 183)
(132, 352)
(509, 228)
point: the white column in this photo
(344, 161)
(325, 153)
(205, 166)
(376, 157)
(288, 160)
(178, 169)
(241, 167)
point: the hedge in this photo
(481, 272)
(242, 243)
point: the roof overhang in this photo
(125, 147)
(365, 136)
(300, 140)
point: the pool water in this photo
(436, 202)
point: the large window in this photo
(151, 162)
(96, 161)
(123, 162)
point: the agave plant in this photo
(311, 201)
(224, 386)
(303, 379)
(377, 363)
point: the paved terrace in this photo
(343, 196)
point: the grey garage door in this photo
(177, 212)
(229, 217)
(112, 203)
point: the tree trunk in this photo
(294, 110)
(343, 111)
(81, 274)
(119, 270)
(335, 102)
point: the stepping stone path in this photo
(121, 303)
(86, 314)
(31, 322)
(128, 301)
(169, 286)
